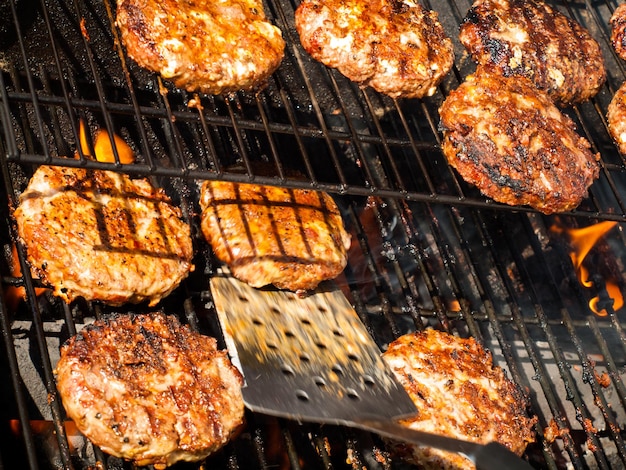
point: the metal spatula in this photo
(311, 359)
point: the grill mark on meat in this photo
(460, 393)
(530, 38)
(616, 117)
(505, 136)
(102, 236)
(202, 46)
(114, 379)
(291, 238)
(618, 30)
(396, 47)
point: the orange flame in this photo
(102, 147)
(14, 295)
(582, 241)
(41, 428)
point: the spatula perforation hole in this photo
(353, 357)
(338, 333)
(369, 380)
(337, 369)
(287, 370)
(305, 357)
(257, 321)
(243, 298)
(302, 395)
(305, 321)
(271, 345)
(275, 311)
(289, 334)
(319, 381)
(320, 345)
(353, 394)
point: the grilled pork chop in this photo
(506, 137)
(531, 39)
(395, 46)
(103, 236)
(291, 238)
(206, 46)
(459, 393)
(618, 30)
(147, 389)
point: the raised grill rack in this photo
(429, 249)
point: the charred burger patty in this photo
(531, 39)
(147, 389)
(459, 393)
(103, 236)
(291, 238)
(506, 137)
(395, 46)
(206, 46)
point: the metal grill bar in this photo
(429, 249)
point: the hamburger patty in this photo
(206, 46)
(616, 118)
(459, 393)
(506, 137)
(531, 39)
(618, 30)
(102, 236)
(395, 46)
(291, 238)
(147, 389)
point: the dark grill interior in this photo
(428, 250)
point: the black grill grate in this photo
(428, 249)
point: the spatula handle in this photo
(492, 456)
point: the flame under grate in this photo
(429, 250)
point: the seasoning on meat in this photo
(103, 236)
(459, 393)
(147, 389)
(395, 46)
(531, 39)
(506, 137)
(616, 118)
(618, 30)
(291, 238)
(206, 46)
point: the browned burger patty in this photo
(506, 137)
(103, 236)
(618, 30)
(529, 38)
(395, 46)
(616, 118)
(459, 393)
(206, 46)
(291, 238)
(147, 389)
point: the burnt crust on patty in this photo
(531, 39)
(291, 238)
(616, 118)
(145, 388)
(507, 138)
(103, 236)
(202, 45)
(459, 393)
(397, 47)
(618, 30)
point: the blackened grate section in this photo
(428, 249)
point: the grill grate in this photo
(428, 249)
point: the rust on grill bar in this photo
(427, 249)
